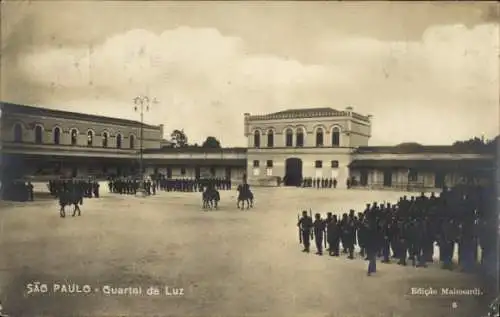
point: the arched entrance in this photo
(293, 172)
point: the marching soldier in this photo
(319, 231)
(305, 225)
(333, 236)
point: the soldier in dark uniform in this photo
(305, 224)
(333, 235)
(96, 189)
(319, 231)
(31, 195)
(371, 245)
(334, 183)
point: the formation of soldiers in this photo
(18, 191)
(131, 186)
(319, 182)
(462, 217)
(86, 188)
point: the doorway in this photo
(388, 178)
(364, 178)
(439, 180)
(293, 172)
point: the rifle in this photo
(310, 216)
(300, 230)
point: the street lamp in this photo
(142, 103)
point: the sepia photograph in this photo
(249, 158)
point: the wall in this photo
(425, 179)
(152, 137)
(190, 172)
(309, 125)
(308, 157)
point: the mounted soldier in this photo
(210, 197)
(244, 195)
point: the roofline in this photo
(17, 108)
(318, 114)
(193, 149)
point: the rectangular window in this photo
(256, 171)
(335, 164)
(269, 171)
(212, 171)
(255, 163)
(318, 164)
(269, 163)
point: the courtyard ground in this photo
(229, 262)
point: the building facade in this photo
(327, 143)
(299, 143)
(291, 145)
(44, 144)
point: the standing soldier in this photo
(30, 191)
(333, 236)
(305, 225)
(319, 231)
(371, 245)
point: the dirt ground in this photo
(227, 262)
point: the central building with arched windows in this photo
(300, 143)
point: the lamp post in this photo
(141, 104)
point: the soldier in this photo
(333, 235)
(319, 231)
(305, 225)
(30, 191)
(371, 245)
(334, 183)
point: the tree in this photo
(178, 138)
(211, 143)
(477, 145)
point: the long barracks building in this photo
(290, 145)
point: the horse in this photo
(67, 198)
(210, 198)
(244, 195)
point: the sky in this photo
(427, 72)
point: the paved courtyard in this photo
(228, 262)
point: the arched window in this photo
(105, 139)
(57, 136)
(289, 137)
(300, 137)
(270, 138)
(38, 135)
(131, 141)
(319, 137)
(90, 138)
(335, 136)
(119, 141)
(18, 133)
(74, 137)
(256, 138)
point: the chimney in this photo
(370, 117)
(349, 109)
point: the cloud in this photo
(204, 80)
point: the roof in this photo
(309, 113)
(470, 164)
(415, 148)
(196, 149)
(40, 111)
